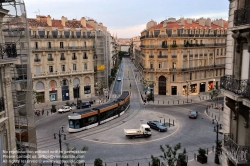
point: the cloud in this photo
(128, 32)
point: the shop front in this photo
(202, 87)
(40, 98)
(87, 87)
(53, 92)
(210, 85)
(65, 90)
(184, 90)
(193, 88)
(53, 95)
(76, 88)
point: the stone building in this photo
(185, 56)
(70, 58)
(236, 87)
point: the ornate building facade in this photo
(183, 56)
(236, 87)
(65, 57)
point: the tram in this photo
(98, 115)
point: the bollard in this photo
(127, 164)
(158, 101)
(105, 164)
(116, 164)
(194, 156)
(163, 101)
(149, 164)
(173, 101)
(138, 164)
(169, 123)
(173, 122)
(83, 164)
(168, 102)
(183, 101)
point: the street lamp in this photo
(60, 142)
(77, 87)
(216, 129)
(187, 90)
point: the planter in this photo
(202, 159)
(181, 164)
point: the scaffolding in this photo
(16, 37)
(102, 58)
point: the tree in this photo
(155, 161)
(215, 93)
(98, 162)
(72, 158)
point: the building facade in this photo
(67, 54)
(185, 56)
(236, 87)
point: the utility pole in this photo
(60, 142)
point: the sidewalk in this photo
(210, 161)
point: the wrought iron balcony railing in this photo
(237, 153)
(37, 60)
(50, 59)
(234, 85)
(241, 16)
(246, 91)
(62, 58)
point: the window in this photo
(74, 56)
(217, 51)
(62, 56)
(51, 69)
(190, 64)
(174, 42)
(38, 70)
(49, 56)
(61, 44)
(173, 65)
(221, 52)
(85, 55)
(160, 65)
(164, 65)
(160, 53)
(49, 44)
(190, 76)
(36, 45)
(34, 33)
(173, 77)
(22, 45)
(195, 75)
(151, 76)
(151, 65)
(74, 67)
(36, 56)
(63, 67)
(85, 66)
(47, 34)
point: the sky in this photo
(128, 18)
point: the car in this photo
(157, 126)
(193, 114)
(119, 78)
(64, 109)
(83, 105)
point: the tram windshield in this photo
(74, 123)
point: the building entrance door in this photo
(162, 85)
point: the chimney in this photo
(63, 20)
(202, 22)
(221, 22)
(208, 22)
(49, 22)
(189, 21)
(182, 21)
(83, 21)
(164, 23)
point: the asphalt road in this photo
(108, 141)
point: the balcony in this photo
(50, 59)
(236, 153)
(239, 87)
(37, 60)
(151, 56)
(62, 73)
(74, 58)
(62, 58)
(63, 48)
(174, 56)
(162, 56)
(241, 16)
(85, 57)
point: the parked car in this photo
(64, 109)
(119, 79)
(83, 105)
(193, 114)
(157, 126)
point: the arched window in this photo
(52, 84)
(39, 86)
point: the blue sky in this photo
(128, 18)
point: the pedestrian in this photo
(42, 111)
(47, 112)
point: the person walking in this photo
(42, 111)
(47, 112)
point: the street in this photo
(108, 141)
